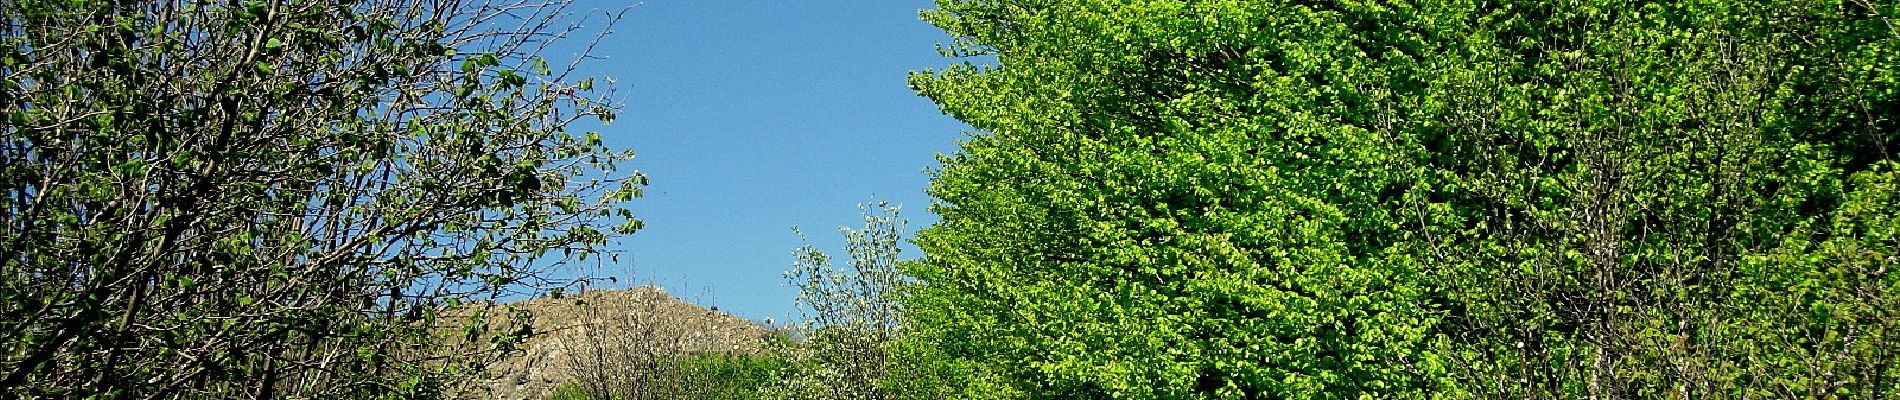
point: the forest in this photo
(1161, 199)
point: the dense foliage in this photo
(1396, 199)
(277, 199)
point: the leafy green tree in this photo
(1669, 200)
(1394, 199)
(279, 199)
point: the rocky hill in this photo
(608, 333)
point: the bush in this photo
(569, 391)
(735, 376)
(854, 315)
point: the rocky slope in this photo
(608, 332)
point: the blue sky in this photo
(752, 117)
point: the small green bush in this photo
(707, 376)
(727, 376)
(568, 391)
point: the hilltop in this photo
(609, 332)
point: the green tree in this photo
(279, 199)
(1640, 200)
(1394, 199)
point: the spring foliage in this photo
(278, 199)
(1396, 199)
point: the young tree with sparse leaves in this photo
(853, 314)
(279, 198)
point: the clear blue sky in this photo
(752, 117)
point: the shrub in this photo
(854, 315)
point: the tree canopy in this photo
(1397, 199)
(280, 199)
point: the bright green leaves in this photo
(540, 67)
(1129, 208)
(512, 79)
(1335, 200)
(605, 114)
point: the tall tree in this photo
(1396, 199)
(278, 199)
